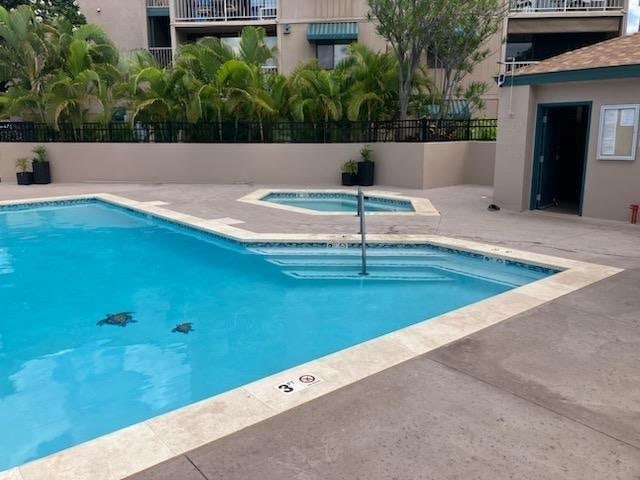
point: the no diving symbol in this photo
(300, 383)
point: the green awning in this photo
(328, 31)
(157, 11)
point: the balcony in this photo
(511, 66)
(163, 55)
(561, 6)
(225, 10)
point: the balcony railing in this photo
(164, 55)
(512, 66)
(158, 3)
(550, 6)
(225, 10)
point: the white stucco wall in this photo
(411, 165)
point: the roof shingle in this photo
(610, 53)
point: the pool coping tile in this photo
(421, 206)
(227, 221)
(112, 456)
(11, 474)
(160, 438)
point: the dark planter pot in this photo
(366, 173)
(24, 178)
(41, 173)
(349, 179)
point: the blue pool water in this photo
(255, 311)
(338, 202)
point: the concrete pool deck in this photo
(551, 393)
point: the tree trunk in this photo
(404, 92)
(403, 103)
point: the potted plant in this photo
(366, 167)
(23, 177)
(350, 173)
(40, 166)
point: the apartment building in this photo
(539, 29)
(305, 29)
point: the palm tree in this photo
(279, 90)
(216, 81)
(28, 59)
(69, 98)
(134, 61)
(86, 84)
(318, 95)
(260, 98)
(372, 83)
(60, 73)
(57, 72)
(98, 48)
(152, 94)
(204, 58)
(234, 79)
(253, 49)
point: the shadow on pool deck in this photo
(553, 393)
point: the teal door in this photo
(559, 162)
(547, 181)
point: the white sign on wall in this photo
(618, 135)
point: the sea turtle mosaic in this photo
(118, 319)
(183, 328)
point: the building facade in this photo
(539, 29)
(306, 29)
(568, 133)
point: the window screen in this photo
(325, 56)
(331, 54)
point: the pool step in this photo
(353, 261)
(388, 263)
(376, 274)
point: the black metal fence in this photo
(255, 132)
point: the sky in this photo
(634, 16)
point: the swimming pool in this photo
(256, 309)
(338, 202)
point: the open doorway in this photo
(560, 157)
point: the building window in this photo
(330, 55)
(618, 136)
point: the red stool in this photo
(634, 212)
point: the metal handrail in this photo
(363, 232)
(535, 6)
(224, 10)
(163, 55)
(513, 65)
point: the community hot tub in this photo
(340, 202)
